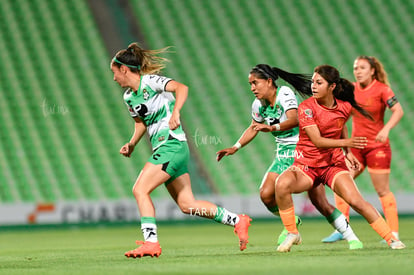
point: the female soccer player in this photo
(321, 130)
(275, 110)
(373, 92)
(152, 105)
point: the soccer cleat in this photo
(290, 240)
(241, 229)
(396, 244)
(284, 232)
(146, 249)
(355, 244)
(334, 237)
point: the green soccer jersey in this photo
(154, 105)
(263, 112)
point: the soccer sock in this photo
(149, 229)
(382, 228)
(289, 221)
(226, 217)
(389, 206)
(274, 210)
(342, 206)
(340, 223)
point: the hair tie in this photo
(129, 66)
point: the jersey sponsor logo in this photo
(272, 120)
(141, 109)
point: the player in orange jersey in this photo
(320, 159)
(373, 92)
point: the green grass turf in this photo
(201, 248)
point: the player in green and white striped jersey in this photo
(155, 110)
(275, 110)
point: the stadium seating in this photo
(63, 120)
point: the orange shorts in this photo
(377, 159)
(322, 175)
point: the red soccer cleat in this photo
(146, 249)
(241, 229)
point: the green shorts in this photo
(285, 155)
(173, 155)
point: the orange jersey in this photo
(330, 123)
(374, 98)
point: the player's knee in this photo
(267, 195)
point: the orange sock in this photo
(382, 228)
(342, 206)
(288, 219)
(389, 206)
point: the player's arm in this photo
(321, 142)
(248, 135)
(181, 93)
(351, 161)
(291, 121)
(397, 114)
(139, 131)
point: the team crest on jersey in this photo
(308, 113)
(161, 138)
(146, 94)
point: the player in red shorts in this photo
(320, 159)
(373, 92)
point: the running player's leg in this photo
(180, 190)
(341, 205)
(381, 182)
(293, 180)
(150, 178)
(267, 195)
(345, 187)
(338, 221)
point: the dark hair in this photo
(140, 60)
(301, 82)
(344, 89)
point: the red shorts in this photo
(377, 159)
(322, 175)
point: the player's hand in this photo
(357, 142)
(382, 135)
(225, 152)
(352, 162)
(174, 122)
(262, 127)
(127, 149)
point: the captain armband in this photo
(391, 102)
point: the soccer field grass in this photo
(201, 248)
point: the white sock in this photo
(149, 230)
(342, 226)
(226, 217)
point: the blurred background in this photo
(63, 119)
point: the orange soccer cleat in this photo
(241, 229)
(146, 249)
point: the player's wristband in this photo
(277, 127)
(237, 145)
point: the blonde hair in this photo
(140, 60)
(379, 72)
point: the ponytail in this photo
(139, 60)
(301, 82)
(344, 91)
